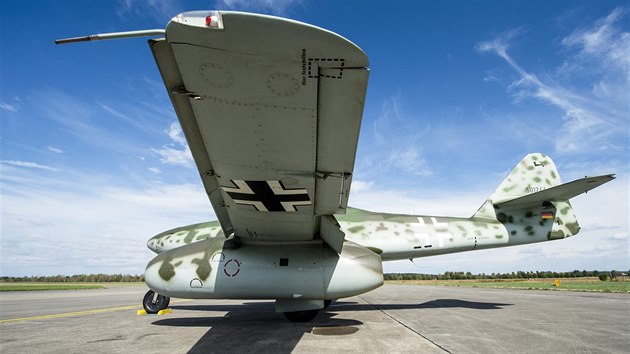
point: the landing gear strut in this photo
(153, 302)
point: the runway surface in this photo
(394, 318)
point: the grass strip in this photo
(548, 284)
(48, 286)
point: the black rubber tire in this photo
(327, 303)
(301, 316)
(152, 303)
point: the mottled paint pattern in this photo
(499, 222)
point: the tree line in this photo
(77, 278)
(602, 275)
(105, 278)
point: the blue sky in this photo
(93, 161)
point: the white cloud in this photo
(604, 42)
(406, 154)
(62, 225)
(173, 155)
(79, 119)
(154, 170)
(275, 7)
(408, 159)
(29, 164)
(360, 186)
(590, 123)
(160, 10)
(177, 157)
(54, 149)
(8, 107)
(175, 133)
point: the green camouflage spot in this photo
(356, 229)
(531, 233)
(498, 236)
(167, 270)
(513, 232)
(507, 189)
(534, 157)
(554, 235)
(565, 210)
(189, 237)
(353, 215)
(547, 181)
(529, 168)
(573, 227)
(461, 228)
(529, 228)
(201, 237)
(510, 219)
(481, 224)
(203, 265)
(553, 175)
(381, 227)
(537, 179)
(396, 233)
(529, 214)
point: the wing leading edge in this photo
(271, 109)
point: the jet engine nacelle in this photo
(216, 268)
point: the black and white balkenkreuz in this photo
(267, 195)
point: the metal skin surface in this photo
(302, 271)
(271, 110)
(390, 236)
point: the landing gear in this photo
(153, 302)
(307, 315)
(301, 316)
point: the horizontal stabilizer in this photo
(561, 192)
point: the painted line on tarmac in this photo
(79, 313)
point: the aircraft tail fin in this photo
(533, 194)
(536, 180)
(534, 173)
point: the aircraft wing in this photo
(271, 109)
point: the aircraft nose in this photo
(152, 276)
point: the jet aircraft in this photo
(271, 109)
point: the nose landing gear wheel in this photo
(153, 302)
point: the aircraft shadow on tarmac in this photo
(255, 326)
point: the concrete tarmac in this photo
(394, 318)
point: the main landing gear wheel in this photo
(301, 316)
(153, 302)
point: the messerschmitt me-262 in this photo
(271, 109)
